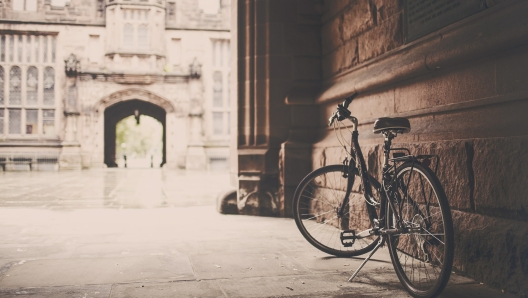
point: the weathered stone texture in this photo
(453, 171)
(501, 171)
(465, 83)
(383, 38)
(359, 17)
(333, 7)
(492, 250)
(386, 9)
(331, 35)
(359, 31)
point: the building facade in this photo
(71, 70)
(456, 69)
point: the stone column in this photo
(277, 56)
(196, 158)
(70, 157)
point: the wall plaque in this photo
(426, 16)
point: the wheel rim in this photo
(420, 253)
(317, 202)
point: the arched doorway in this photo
(118, 111)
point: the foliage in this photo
(141, 140)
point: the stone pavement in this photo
(155, 233)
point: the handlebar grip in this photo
(348, 100)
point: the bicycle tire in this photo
(423, 256)
(315, 211)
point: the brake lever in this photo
(332, 118)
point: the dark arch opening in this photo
(115, 113)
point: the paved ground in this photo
(154, 233)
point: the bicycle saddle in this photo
(399, 124)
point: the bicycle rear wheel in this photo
(423, 255)
(315, 205)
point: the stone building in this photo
(457, 69)
(70, 70)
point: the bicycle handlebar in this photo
(342, 110)
(349, 99)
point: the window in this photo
(25, 5)
(95, 49)
(175, 51)
(128, 36)
(32, 86)
(143, 36)
(209, 6)
(171, 11)
(48, 120)
(45, 49)
(218, 101)
(2, 48)
(20, 45)
(136, 29)
(220, 88)
(15, 86)
(218, 123)
(59, 3)
(27, 85)
(14, 121)
(1, 121)
(49, 86)
(31, 122)
(1, 88)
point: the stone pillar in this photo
(196, 158)
(278, 57)
(70, 157)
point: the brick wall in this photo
(464, 90)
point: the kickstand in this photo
(380, 242)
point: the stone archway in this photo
(118, 105)
(121, 110)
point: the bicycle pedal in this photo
(348, 238)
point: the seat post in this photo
(386, 148)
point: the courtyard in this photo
(156, 233)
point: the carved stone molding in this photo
(72, 66)
(135, 93)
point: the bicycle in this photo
(408, 210)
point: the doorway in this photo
(130, 108)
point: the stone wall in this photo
(463, 89)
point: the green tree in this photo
(141, 140)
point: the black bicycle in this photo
(408, 210)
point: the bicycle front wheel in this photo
(422, 254)
(315, 208)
